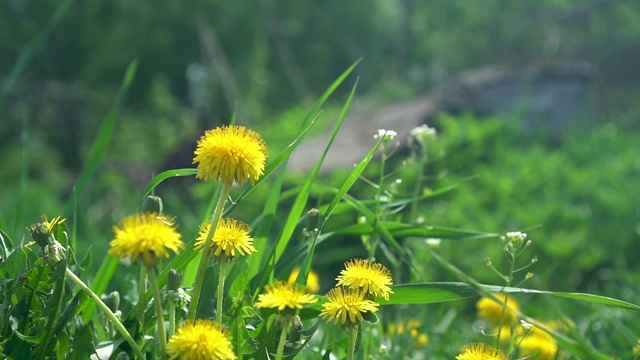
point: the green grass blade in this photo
(103, 138)
(162, 177)
(401, 230)
(262, 229)
(427, 293)
(307, 123)
(98, 286)
(303, 195)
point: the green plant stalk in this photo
(142, 294)
(121, 329)
(172, 317)
(206, 249)
(353, 337)
(157, 303)
(506, 296)
(223, 270)
(283, 337)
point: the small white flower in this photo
(423, 135)
(423, 131)
(387, 134)
(526, 325)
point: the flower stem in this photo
(142, 295)
(353, 337)
(157, 302)
(283, 338)
(172, 317)
(121, 329)
(223, 269)
(206, 249)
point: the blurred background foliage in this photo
(199, 62)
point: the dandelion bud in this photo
(55, 252)
(152, 204)
(487, 261)
(528, 276)
(173, 280)
(534, 260)
(112, 301)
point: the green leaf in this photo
(105, 133)
(162, 177)
(82, 344)
(105, 349)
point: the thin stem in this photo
(206, 249)
(157, 303)
(121, 329)
(353, 337)
(142, 295)
(172, 317)
(223, 268)
(283, 337)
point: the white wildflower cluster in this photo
(423, 134)
(387, 134)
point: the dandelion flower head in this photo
(347, 305)
(313, 280)
(283, 295)
(230, 153)
(202, 340)
(480, 351)
(492, 311)
(540, 341)
(146, 235)
(231, 237)
(373, 278)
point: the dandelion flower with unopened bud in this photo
(231, 154)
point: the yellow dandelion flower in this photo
(230, 153)
(421, 340)
(146, 235)
(373, 278)
(480, 351)
(202, 340)
(313, 280)
(283, 296)
(540, 341)
(491, 311)
(347, 305)
(231, 236)
(508, 331)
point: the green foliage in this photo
(575, 194)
